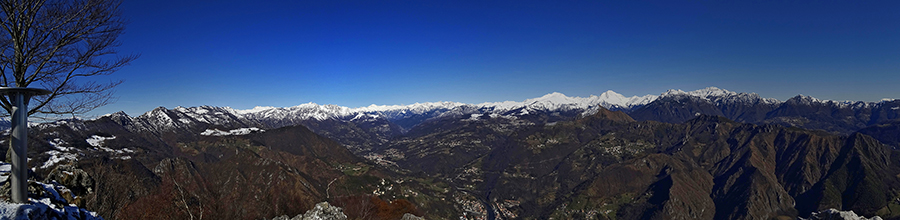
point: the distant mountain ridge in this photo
(551, 102)
(356, 127)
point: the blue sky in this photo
(356, 53)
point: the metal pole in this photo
(19, 147)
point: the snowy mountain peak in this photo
(554, 101)
(611, 95)
(640, 100)
(551, 101)
(558, 101)
(612, 98)
(712, 92)
(552, 98)
(299, 112)
(115, 114)
(807, 100)
(706, 93)
(254, 109)
(417, 107)
(715, 94)
(804, 99)
(156, 111)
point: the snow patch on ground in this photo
(64, 153)
(38, 209)
(97, 141)
(239, 131)
(5, 168)
(57, 157)
(120, 151)
(60, 145)
(508, 117)
(43, 208)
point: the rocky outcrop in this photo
(834, 214)
(76, 180)
(47, 200)
(408, 216)
(322, 211)
(38, 210)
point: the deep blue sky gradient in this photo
(356, 53)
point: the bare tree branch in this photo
(56, 45)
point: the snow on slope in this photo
(714, 94)
(708, 92)
(558, 101)
(280, 116)
(616, 99)
(417, 108)
(721, 95)
(809, 100)
(300, 112)
(182, 119)
(550, 102)
(238, 132)
(97, 141)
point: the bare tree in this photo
(55, 45)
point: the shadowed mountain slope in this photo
(609, 166)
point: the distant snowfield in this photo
(239, 131)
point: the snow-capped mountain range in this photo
(720, 95)
(389, 120)
(550, 102)
(179, 117)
